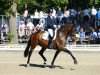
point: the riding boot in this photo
(50, 41)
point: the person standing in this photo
(93, 16)
(36, 18)
(25, 14)
(59, 15)
(98, 19)
(42, 19)
(66, 19)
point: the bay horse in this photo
(58, 44)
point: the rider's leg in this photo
(50, 37)
(50, 40)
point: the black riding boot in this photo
(49, 42)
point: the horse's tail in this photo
(27, 48)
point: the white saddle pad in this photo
(46, 35)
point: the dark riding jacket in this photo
(50, 22)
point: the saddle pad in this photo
(45, 35)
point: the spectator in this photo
(32, 18)
(93, 16)
(98, 33)
(36, 18)
(73, 15)
(78, 28)
(79, 17)
(54, 12)
(59, 15)
(25, 14)
(98, 18)
(79, 11)
(86, 20)
(82, 35)
(42, 18)
(66, 19)
(67, 13)
(17, 19)
(30, 27)
(21, 30)
(4, 31)
(86, 15)
(93, 35)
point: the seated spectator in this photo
(30, 27)
(93, 35)
(21, 30)
(98, 33)
(82, 35)
(4, 30)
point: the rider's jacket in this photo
(50, 22)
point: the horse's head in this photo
(69, 31)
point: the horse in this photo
(58, 44)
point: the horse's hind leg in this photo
(69, 52)
(41, 54)
(30, 53)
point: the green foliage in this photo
(5, 7)
(22, 4)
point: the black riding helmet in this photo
(50, 11)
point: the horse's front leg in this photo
(69, 52)
(56, 54)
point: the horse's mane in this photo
(66, 28)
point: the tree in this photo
(8, 8)
(12, 25)
(5, 7)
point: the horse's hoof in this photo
(27, 65)
(45, 64)
(75, 62)
(52, 66)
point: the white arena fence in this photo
(21, 47)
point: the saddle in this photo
(46, 35)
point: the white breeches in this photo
(50, 32)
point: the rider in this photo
(50, 26)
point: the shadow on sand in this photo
(42, 66)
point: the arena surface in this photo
(13, 63)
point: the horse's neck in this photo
(63, 34)
(65, 31)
